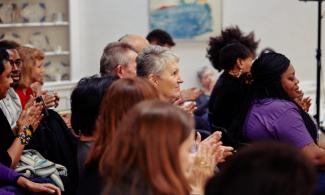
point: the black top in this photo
(90, 180)
(225, 100)
(6, 139)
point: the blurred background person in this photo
(264, 168)
(160, 37)
(206, 77)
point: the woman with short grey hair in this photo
(160, 66)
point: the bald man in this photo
(136, 41)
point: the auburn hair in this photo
(145, 152)
(121, 96)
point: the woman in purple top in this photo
(10, 177)
(271, 113)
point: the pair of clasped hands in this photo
(32, 113)
(208, 154)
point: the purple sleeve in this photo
(5, 192)
(290, 128)
(8, 175)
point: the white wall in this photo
(288, 26)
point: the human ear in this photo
(119, 71)
(240, 63)
(153, 79)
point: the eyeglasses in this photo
(17, 62)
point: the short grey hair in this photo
(203, 70)
(153, 59)
(114, 53)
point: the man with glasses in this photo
(11, 105)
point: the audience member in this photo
(10, 105)
(85, 104)
(151, 152)
(206, 77)
(160, 37)
(121, 96)
(160, 66)
(12, 142)
(270, 113)
(232, 52)
(264, 168)
(136, 41)
(118, 59)
(32, 71)
(52, 139)
(139, 43)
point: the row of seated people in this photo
(33, 137)
(101, 140)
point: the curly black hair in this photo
(229, 35)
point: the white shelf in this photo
(54, 53)
(34, 24)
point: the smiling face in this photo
(15, 61)
(5, 79)
(168, 82)
(289, 83)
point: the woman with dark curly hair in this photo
(232, 52)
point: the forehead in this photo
(290, 70)
(171, 66)
(13, 53)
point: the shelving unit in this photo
(55, 53)
(39, 24)
(53, 33)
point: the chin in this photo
(295, 95)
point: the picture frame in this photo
(186, 19)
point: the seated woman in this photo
(53, 138)
(232, 52)
(264, 168)
(86, 98)
(151, 152)
(270, 112)
(120, 97)
(161, 67)
(13, 142)
(227, 95)
(32, 73)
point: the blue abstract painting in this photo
(185, 20)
